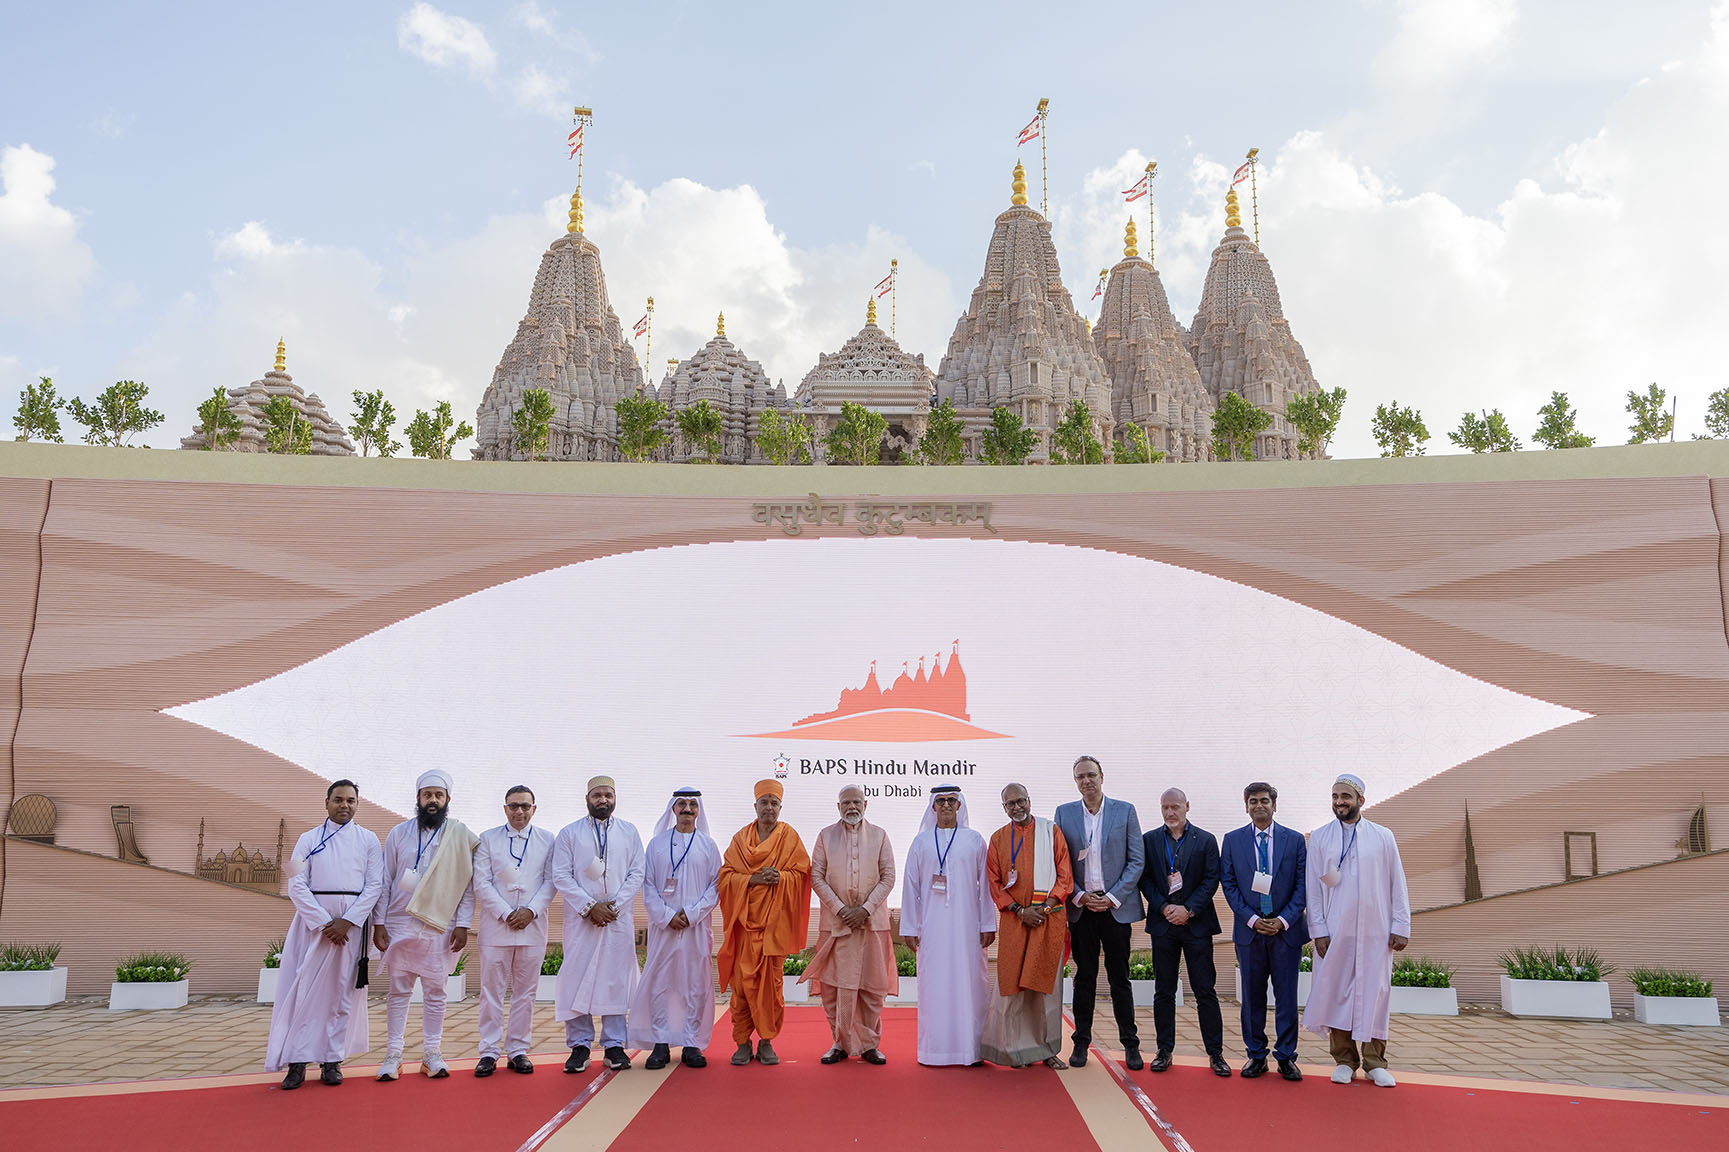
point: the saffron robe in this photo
(1028, 959)
(764, 924)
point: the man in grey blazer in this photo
(1106, 853)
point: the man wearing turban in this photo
(765, 904)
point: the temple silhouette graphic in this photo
(918, 706)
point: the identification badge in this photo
(595, 868)
(1175, 880)
(1332, 879)
(1262, 883)
(1012, 877)
(410, 878)
(1083, 854)
(669, 889)
(939, 883)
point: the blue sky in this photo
(1468, 203)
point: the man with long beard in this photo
(765, 904)
(426, 907)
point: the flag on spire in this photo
(1100, 290)
(1141, 188)
(1029, 133)
(641, 327)
(575, 138)
(884, 286)
(1242, 173)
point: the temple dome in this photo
(870, 369)
(733, 384)
(248, 403)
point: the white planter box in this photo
(792, 992)
(1425, 1001)
(1068, 989)
(1699, 1011)
(267, 978)
(148, 997)
(455, 990)
(1304, 981)
(909, 993)
(1144, 991)
(1566, 998)
(32, 989)
(547, 989)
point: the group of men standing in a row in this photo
(1035, 888)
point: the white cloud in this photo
(44, 266)
(535, 19)
(1437, 39)
(535, 91)
(445, 41)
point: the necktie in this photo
(1266, 897)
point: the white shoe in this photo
(433, 1065)
(1381, 1078)
(392, 1066)
(1343, 1073)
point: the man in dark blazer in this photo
(1262, 870)
(1104, 838)
(1181, 876)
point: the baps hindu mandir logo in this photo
(918, 707)
(781, 764)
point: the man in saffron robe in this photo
(852, 869)
(1030, 877)
(765, 904)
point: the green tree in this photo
(1652, 419)
(1485, 433)
(857, 436)
(1236, 423)
(217, 421)
(1135, 448)
(532, 423)
(1316, 417)
(1717, 414)
(1557, 429)
(640, 434)
(39, 412)
(1399, 431)
(1073, 441)
(434, 435)
(701, 427)
(785, 438)
(286, 431)
(117, 415)
(373, 416)
(1007, 440)
(944, 441)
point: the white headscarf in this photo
(667, 819)
(433, 778)
(930, 820)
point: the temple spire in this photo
(282, 356)
(720, 325)
(1233, 214)
(1131, 249)
(1019, 199)
(871, 311)
(575, 224)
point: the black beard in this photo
(600, 811)
(431, 814)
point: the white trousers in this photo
(429, 959)
(518, 967)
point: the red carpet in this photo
(801, 1106)
(1214, 1113)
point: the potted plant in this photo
(1141, 980)
(1555, 982)
(1305, 978)
(907, 967)
(547, 989)
(1423, 987)
(791, 969)
(1662, 996)
(149, 980)
(29, 977)
(272, 969)
(455, 985)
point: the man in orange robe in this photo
(1027, 866)
(765, 904)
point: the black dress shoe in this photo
(1161, 1061)
(872, 1056)
(331, 1074)
(486, 1067)
(520, 1063)
(1255, 1067)
(1289, 1070)
(832, 1056)
(1220, 1068)
(295, 1078)
(693, 1058)
(1078, 1057)
(1132, 1058)
(660, 1057)
(577, 1061)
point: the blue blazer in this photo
(1119, 855)
(1238, 863)
(1198, 861)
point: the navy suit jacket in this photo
(1119, 855)
(1198, 860)
(1238, 863)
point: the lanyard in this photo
(510, 846)
(670, 841)
(324, 838)
(1170, 855)
(422, 845)
(601, 834)
(942, 853)
(1348, 846)
(1015, 843)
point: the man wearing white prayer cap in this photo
(674, 1002)
(597, 866)
(949, 919)
(1359, 915)
(513, 888)
(423, 918)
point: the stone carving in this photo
(247, 403)
(250, 869)
(33, 817)
(873, 370)
(733, 384)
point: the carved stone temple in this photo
(733, 384)
(248, 403)
(873, 370)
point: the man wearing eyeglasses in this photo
(513, 887)
(1027, 867)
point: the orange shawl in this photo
(781, 912)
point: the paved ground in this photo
(81, 1041)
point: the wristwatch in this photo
(1014, 907)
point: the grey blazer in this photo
(1122, 855)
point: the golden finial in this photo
(1131, 248)
(1019, 199)
(720, 325)
(281, 356)
(1233, 217)
(575, 224)
(871, 311)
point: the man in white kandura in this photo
(1359, 915)
(597, 866)
(336, 875)
(674, 1002)
(426, 906)
(949, 919)
(513, 886)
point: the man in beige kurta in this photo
(852, 870)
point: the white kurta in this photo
(674, 1003)
(954, 988)
(502, 885)
(1352, 987)
(416, 947)
(599, 971)
(319, 1015)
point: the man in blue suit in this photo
(1104, 838)
(1262, 866)
(1180, 880)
